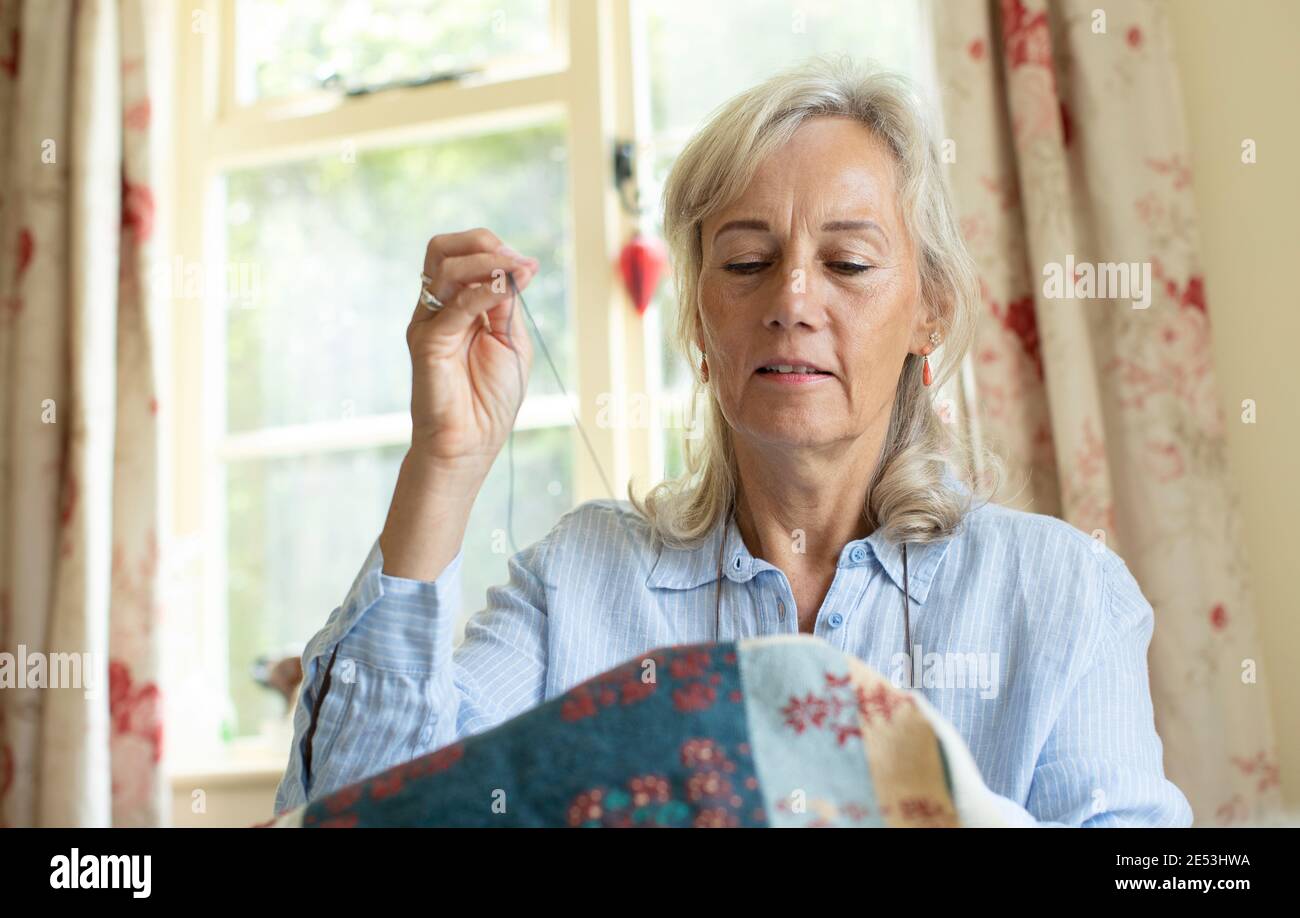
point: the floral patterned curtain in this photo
(1068, 161)
(78, 410)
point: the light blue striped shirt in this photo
(1030, 637)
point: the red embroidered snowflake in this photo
(882, 701)
(1262, 766)
(843, 708)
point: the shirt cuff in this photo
(395, 622)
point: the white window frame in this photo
(591, 86)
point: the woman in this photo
(818, 265)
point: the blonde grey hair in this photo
(907, 496)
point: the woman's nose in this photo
(793, 301)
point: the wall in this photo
(1240, 69)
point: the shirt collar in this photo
(687, 568)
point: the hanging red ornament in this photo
(642, 263)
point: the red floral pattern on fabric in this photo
(137, 117)
(9, 62)
(920, 812)
(122, 505)
(1261, 766)
(620, 686)
(383, 786)
(1025, 36)
(6, 769)
(26, 249)
(135, 709)
(1142, 426)
(648, 800)
(694, 697)
(842, 708)
(137, 210)
(1018, 318)
(348, 821)
(436, 763)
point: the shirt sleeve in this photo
(382, 683)
(1102, 763)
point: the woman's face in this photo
(811, 265)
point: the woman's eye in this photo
(753, 267)
(849, 267)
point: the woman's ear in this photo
(928, 323)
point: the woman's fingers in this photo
(461, 271)
(467, 306)
(455, 261)
(448, 245)
(505, 321)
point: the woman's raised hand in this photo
(469, 369)
(466, 375)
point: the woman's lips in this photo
(793, 379)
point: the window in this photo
(316, 387)
(286, 47)
(311, 190)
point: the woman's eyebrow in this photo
(834, 226)
(731, 225)
(839, 226)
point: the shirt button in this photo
(858, 554)
(835, 620)
(780, 610)
(426, 735)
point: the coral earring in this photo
(925, 376)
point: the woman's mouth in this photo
(785, 374)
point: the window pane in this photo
(674, 459)
(543, 492)
(297, 531)
(700, 54)
(334, 246)
(290, 46)
(299, 528)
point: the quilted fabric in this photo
(778, 731)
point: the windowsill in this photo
(251, 761)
